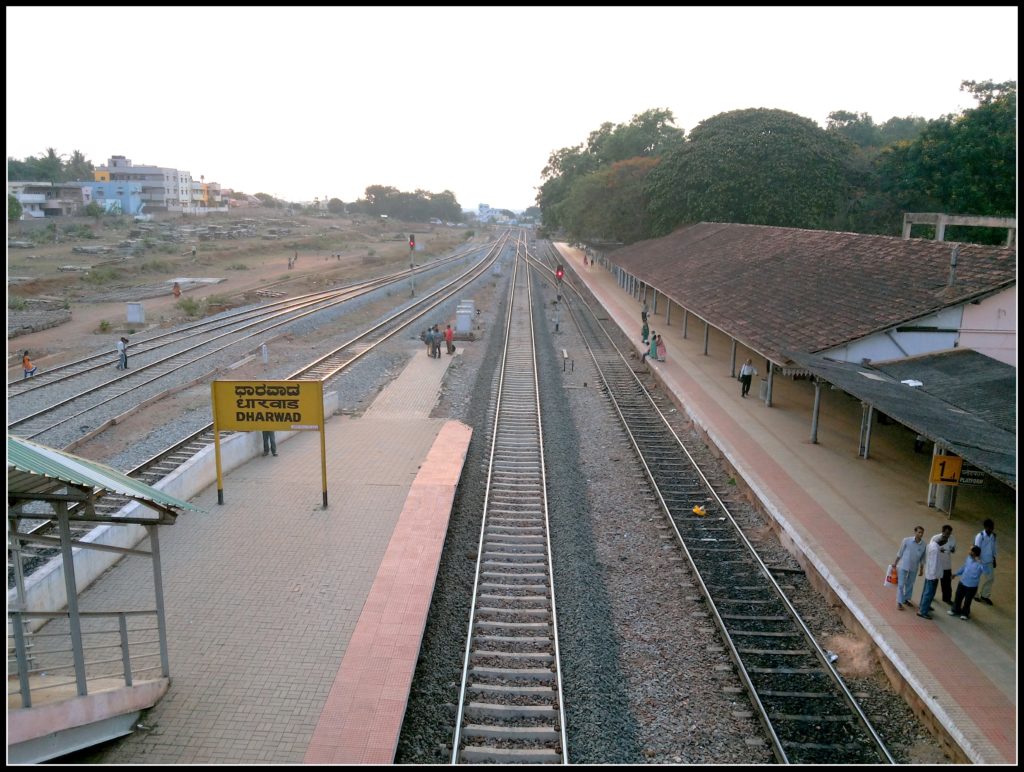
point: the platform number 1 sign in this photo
(946, 470)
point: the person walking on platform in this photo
(747, 372)
(946, 563)
(27, 367)
(932, 573)
(428, 338)
(644, 333)
(660, 348)
(449, 336)
(269, 443)
(908, 562)
(436, 349)
(970, 575)
(652, 352)
(986, 542)
(643, 313)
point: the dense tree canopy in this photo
(418, 206)
(758, 166)
(772, 167)
(961, 164)
(610, 204)
(650, 134)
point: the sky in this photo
(303, 102)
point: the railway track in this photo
(180, 350)
(808, 714)
(510, 705)
(324, 369)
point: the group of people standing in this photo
(651, 339)
(934, 561)
(432, 336)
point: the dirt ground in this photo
(365, 247)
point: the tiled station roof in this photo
(790, 289)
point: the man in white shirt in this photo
(986, 540)
(946, 563)
(932, 573)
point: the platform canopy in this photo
(961, 400)
(36, 471)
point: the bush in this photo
(17, 304)
(104, 325)
(238, 267)
(103, 275)
(156, 266)
(189, 306)
(217, 300)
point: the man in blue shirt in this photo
(970, 574)
(986, 541)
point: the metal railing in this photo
(37, 668)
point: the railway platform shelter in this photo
(846, 515)
(78, 676)
(294, 630)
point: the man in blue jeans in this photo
(970, 575)
(908, 563)
(269, 443)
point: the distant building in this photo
(164, 189)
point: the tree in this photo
(336, 206)
(78, 167)
(93, 209)
(648, 134)
(859, 128)
(268, 200)
(960, 164)
(611, 204)
(757, 166)
(14, 208)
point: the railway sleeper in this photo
(767, 634)
(526, 626)
(541, 692)
(507, 564)
(785, 670)
(516, 612)
(520, 560)
(481, 754)
(506, 674)
(505, 576)
(513, 598)
(809, 718)
(514, 639)
(511, 732)
(850, 747)
(532, 656)
(514, 587)
(543, 716)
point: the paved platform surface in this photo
(849, 516)
(293, 631)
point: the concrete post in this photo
(814, 412)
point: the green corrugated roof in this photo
(27, 456)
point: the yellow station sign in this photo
(252, 406)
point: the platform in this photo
(849, 515)
(293, 631)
